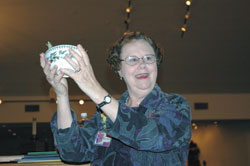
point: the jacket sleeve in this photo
(166, 126)
(75, 144)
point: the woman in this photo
(145, 127)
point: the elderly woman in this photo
(145, 127)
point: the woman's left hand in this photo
(83, 75)
(86, 80)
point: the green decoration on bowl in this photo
(49, 45)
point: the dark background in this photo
(212, 57)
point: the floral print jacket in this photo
(156, 133)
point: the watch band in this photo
(107, 99)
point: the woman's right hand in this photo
(58, 82)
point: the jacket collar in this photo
(151, 98)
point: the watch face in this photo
(108, 99)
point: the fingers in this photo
(67, 72)
(53, 71)
(75, 55)
(84, 54)
(83, 59)
(46, 68)
(50, 74)
(59, 77)
(42, 60)
(72, 63)
(77, 62)
(56, 80)
(45, 65)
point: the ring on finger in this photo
(78, 70)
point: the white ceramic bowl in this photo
(56, 56)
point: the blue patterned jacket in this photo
(157, 133)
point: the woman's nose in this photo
(142, 63)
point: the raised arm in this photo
(87, 82)
(60, 86)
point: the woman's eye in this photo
(148, 58)
(133, 59)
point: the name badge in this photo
(102, 139)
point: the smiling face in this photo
(140, 78)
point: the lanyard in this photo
(104, 119)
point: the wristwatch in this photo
(107, 100)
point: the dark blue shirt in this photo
(157, 133)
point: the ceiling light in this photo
(183, 28)
(128, 10)
(187, 15)
(188, 2)
(81, 102)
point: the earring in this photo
(121, 78)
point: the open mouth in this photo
(142, 76)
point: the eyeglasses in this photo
(133, 60)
